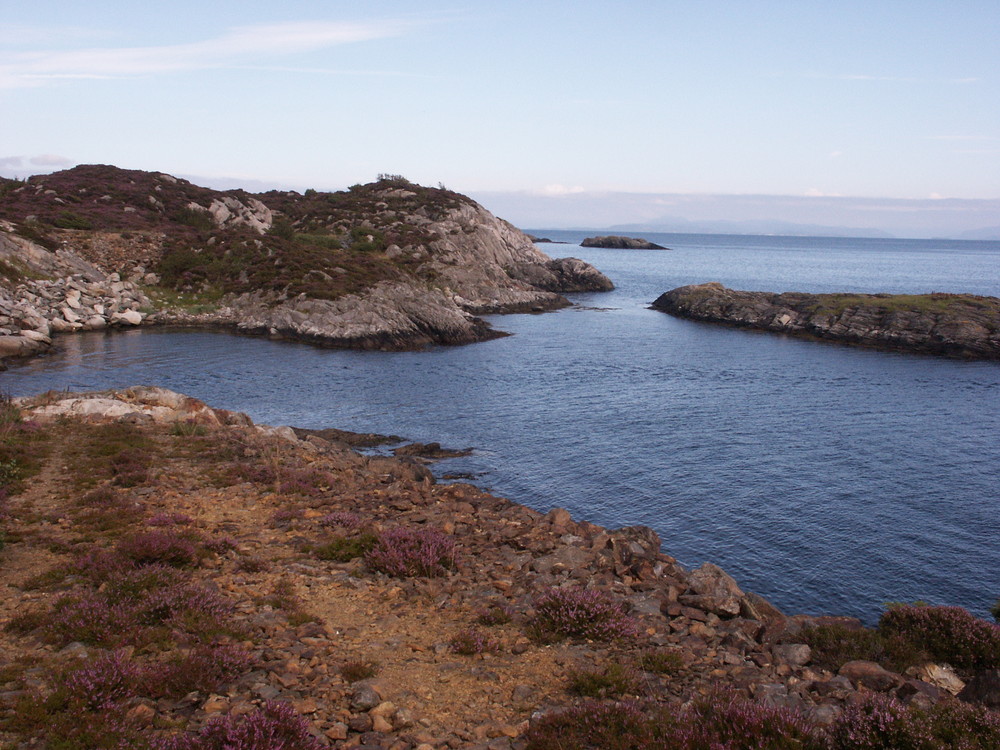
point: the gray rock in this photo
(870, 675)
(984, 689)
(793, 654)
(714, 591)
(364, 697)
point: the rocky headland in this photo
(172, 573)
(388, 265)
(953, 325)
(616, 242)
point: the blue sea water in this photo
(827, 478)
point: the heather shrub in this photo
(731, 723)
(342, 518)
(472, 641)
(275, 726)
(345, 548)
(107, 682)
(91, 619)
(129, 468)
(219, 544)
(496, 614)
(284, 516)
(164, 547)
(205, 668)
(307, 481)
(99, 565)
(883, 722)
(995, 611)
(949, 634)
(580, 613)
(834, 645)
(611, 681)
(596, 726)
(407, 552)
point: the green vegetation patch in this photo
(934, 304)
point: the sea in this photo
(827, 478)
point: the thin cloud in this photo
(51, 160)
(236, 46)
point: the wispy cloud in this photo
(239, 45)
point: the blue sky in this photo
(804, 98)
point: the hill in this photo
(390, 264)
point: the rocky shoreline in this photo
(389, 266)
(453, 661)
(952, 325)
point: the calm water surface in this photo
(827, 478)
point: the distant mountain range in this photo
(824, 216)
(759, 226)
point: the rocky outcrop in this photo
(54, 292)
(955, 325)
(617, 242)
(390, 265)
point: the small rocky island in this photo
(387, 265)
(954, 325)
(616, 242)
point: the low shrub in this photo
(880, 721)
(995, 611)
(361, 669)
(601, 726)
(496, 614)
(716, 723)
(345, 548)
(91, 619)
(611, 681)
(472, 641)
(169, 519)
(834, 645)
(178, 550)
(948, 634)
(205, 668)
(661, 661)
(405, 552)
(188, 428)
(274, 726)
(342, 518)
(107, 682)
(307, 481)
(580, 613)
(284, 516)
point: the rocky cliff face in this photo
(389, 265)
(957, 325)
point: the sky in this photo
(526, 99)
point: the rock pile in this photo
(75, 296)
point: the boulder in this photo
(870, 675)
(714, 590)
(984, 689)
